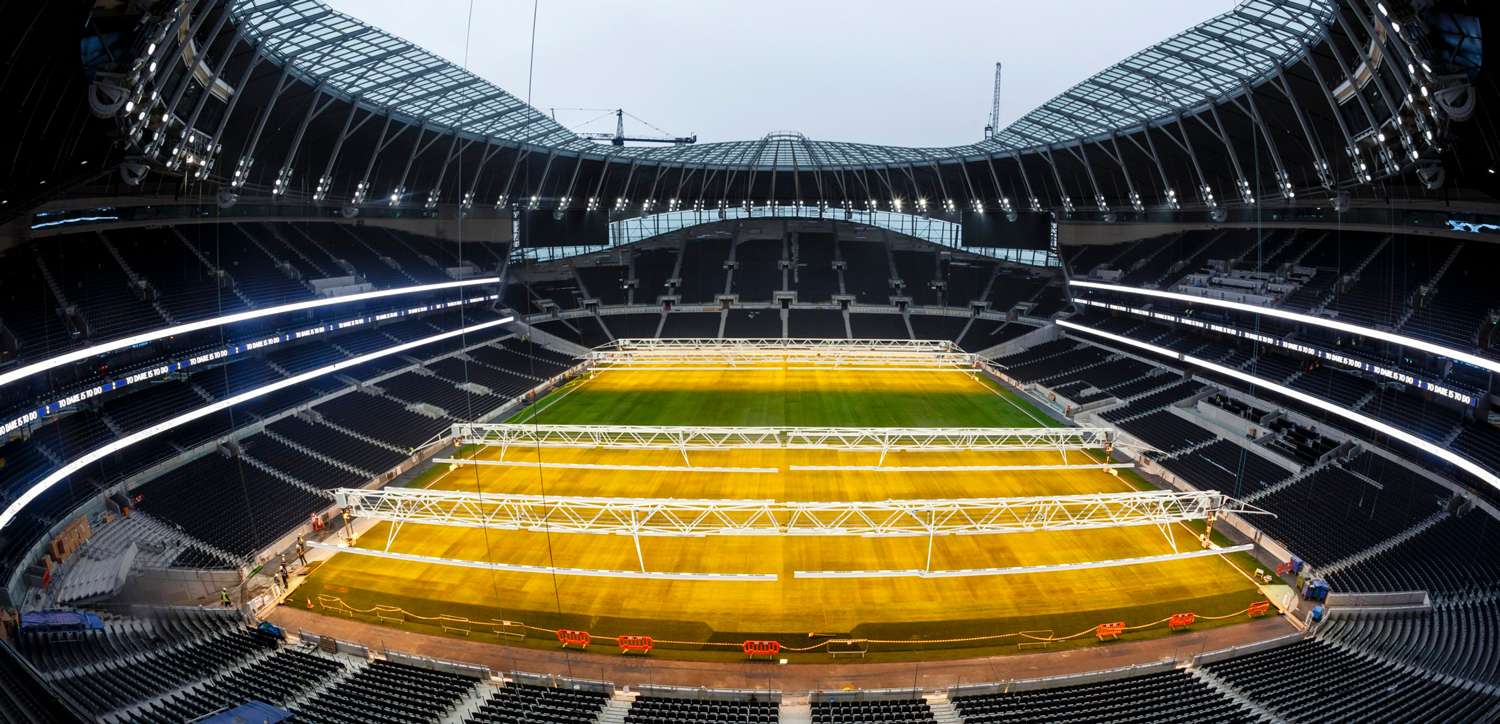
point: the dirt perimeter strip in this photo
(635, 671)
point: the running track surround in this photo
(58, 475)
(155, 334)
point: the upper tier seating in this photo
(387, 245)
(1465, 293)
(605, 282)
(29, 310)
(653, 267)
(185, 287)
(89, 276)
(812, 274)
(966, 279)
(759, 273)
(703, 274)
(868, 271)
(918, 268)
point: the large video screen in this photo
(991, 229)
(575, 228)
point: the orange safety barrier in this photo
(762, 648)
(1181, 620)
(1112, 630)
(1259, 608)
(635, 643)
(580, 638)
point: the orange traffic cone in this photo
(309, 604)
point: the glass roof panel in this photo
(1196, 66)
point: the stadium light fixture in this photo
(162, 332)
(1426, 446)
(100, 453)
(1421, 344)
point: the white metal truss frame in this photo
(899, 345)
(635, 353)
(738, 517)
(871, 439)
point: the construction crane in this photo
(619, 138)
(991, 130)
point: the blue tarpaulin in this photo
(60, 621)
(252, 712)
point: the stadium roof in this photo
(1213, 60)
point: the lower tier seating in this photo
(1313, 681)
(385, 692)
(671, 710)
(1173, 697)
(895, 711)
(227, 503)
(524, 704)
(1228, 467)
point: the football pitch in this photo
(902, 612)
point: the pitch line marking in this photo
(954, 468)
(514, 568)
(918, 573)
(602, 466)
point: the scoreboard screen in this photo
(992, 230)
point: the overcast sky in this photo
(872, 71)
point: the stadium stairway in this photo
(618, 706)
(1385, 545)
(942, 709)
(1229, 692)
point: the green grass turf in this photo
(953, 401)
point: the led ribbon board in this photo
(1347, 361)
(58, 475)
(155, 334)
(57, 405)
(1441, 452)
(1413, 342)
